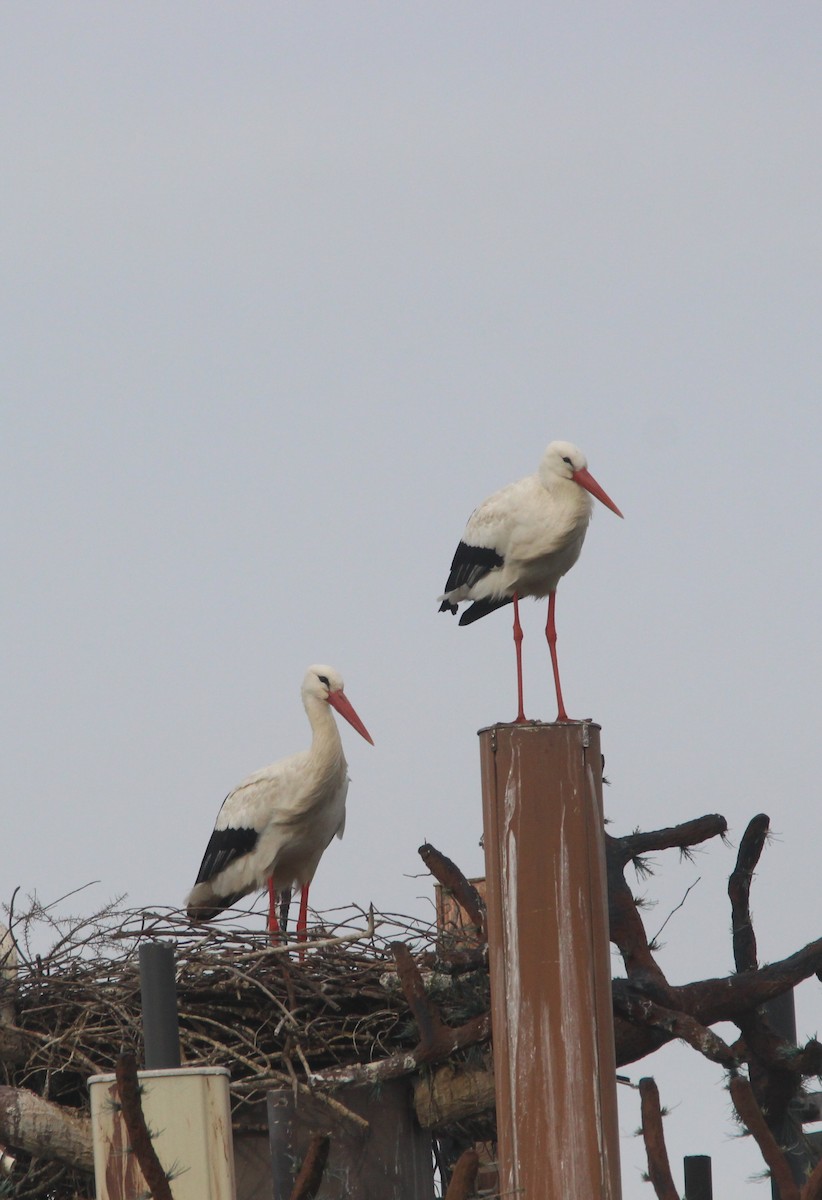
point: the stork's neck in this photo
(326, 744)
(568, 495)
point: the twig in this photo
(361, 935)
(673, 910)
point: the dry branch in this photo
(689, 833)
(659, 1169)
(464, 1176)
(309, 1180)
(813, 1186)
(676, 1025)
(739, 887)
(451, 1094)
(751, 1115)
(428, 1019)
(449, 875)
(38, 1127)
(139, 1138)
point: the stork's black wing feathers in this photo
(481, 608)
(223, 847)
(470, 564)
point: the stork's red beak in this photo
(586, 480)
(345, 708)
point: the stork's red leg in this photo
(302, 919)
(518, 644)
(551, 635)
(273, 924)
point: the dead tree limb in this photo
(813, 1186)
(689, 833)
(627, 930)
(751, 1116)
(739, 888)
(46, 1130)
(464, 1176)
(437, 1040)
(775, 1072)
(426, 1016)
(451, 1094)
(472, 1032)
(449, 875)
(659, 1169)
(128, 1087)
(677, 1025)
(310, 1178)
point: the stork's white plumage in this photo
(273, 828)
(521, 541)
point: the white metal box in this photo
(188, 1114)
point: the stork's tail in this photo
(481, 608)
(203, 904)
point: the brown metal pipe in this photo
(551, 1005)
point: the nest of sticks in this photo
(254, 1008)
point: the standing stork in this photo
(521, 541)
(273, 828)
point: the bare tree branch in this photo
(659, 1170)
(751, 1115)
(739, 887)
(449, 875)
(36, 1126)
(464, 1176)
(139, 1137)
(310, 1178)
(689, 833)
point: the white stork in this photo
(521, 541)
(273, 828)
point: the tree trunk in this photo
(452, 1094)
(29, 1123)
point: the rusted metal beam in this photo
(551, 1008)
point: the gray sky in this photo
(287, 290)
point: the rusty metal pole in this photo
(551, 1007)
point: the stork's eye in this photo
(324, 679)
(565, 458)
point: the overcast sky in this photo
(287, 289)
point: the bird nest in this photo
(243, 1003)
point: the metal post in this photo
(551, 1005)
(158, 994)
(698, 1180)
(781, 1016)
